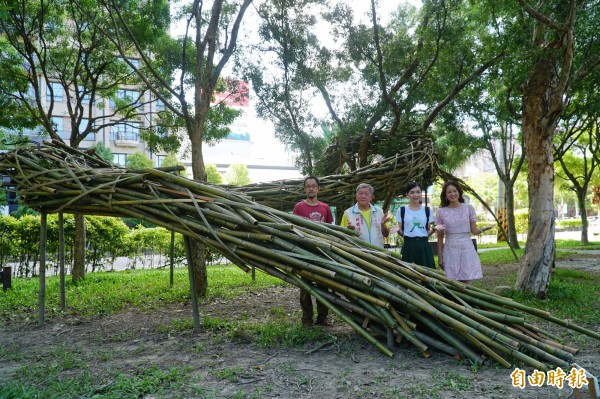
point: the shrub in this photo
(521, 220)
(105, 238)
(7, 238)
(569, 224)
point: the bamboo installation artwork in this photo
(387, 176)
(382, 298)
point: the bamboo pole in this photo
(372, 290)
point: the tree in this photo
(379, 84)
(213, 175)
(56, 63)
(286, 91)
(577, 168)
(138, 160)
(498, 131)
(198, 58)
(237, 175)
(553, 72)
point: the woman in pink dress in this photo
(455, 222)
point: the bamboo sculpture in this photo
(376, 293)
(387, 176)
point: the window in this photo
(54, 90)
(159, 160)
(119, 159)
(128, 96)
(30, 95)
(160, 106)
(57, 122)
(90, 137)
(125, 131)
(82, 126)
(134, 61)
(85, 96)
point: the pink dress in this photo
(461, 261)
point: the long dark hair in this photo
(443, 200)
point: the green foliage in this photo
(133, 222)
(107, 238)
(237, 175)
(138, 160)
(8, 226)
(81, 52)
(27, 241)
(142, 241)
(486, 186)
(172, 160)
(521, 220)
(213, 174)
(220, 117)
(574, 224)
(23, 210)
(103, 151)
(104, 236)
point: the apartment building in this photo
(120, 135)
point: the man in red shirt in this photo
(315, 210)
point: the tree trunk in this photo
(198, 249)
(78, 272)
(539, 122)
(199, 260)
(510, 216)
(583, 214)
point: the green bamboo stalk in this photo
(488, 351)
(341, 315)
(446, 336)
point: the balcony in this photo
(126, 143)
(125, 139)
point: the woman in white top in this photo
(413, 224)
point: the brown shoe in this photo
(307, 323)
(323, 322)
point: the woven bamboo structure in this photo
(388, 177)
(377, 294)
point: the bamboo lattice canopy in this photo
(389, 176)
(367, 287)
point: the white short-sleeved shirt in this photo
(416, 222)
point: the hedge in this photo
(106, 239)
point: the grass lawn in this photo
(70, 371)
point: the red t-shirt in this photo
(318, 213)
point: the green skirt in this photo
(417, 250)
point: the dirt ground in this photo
(343, 365)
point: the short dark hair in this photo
(311, 178)
(412, 185)
(443, 200)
